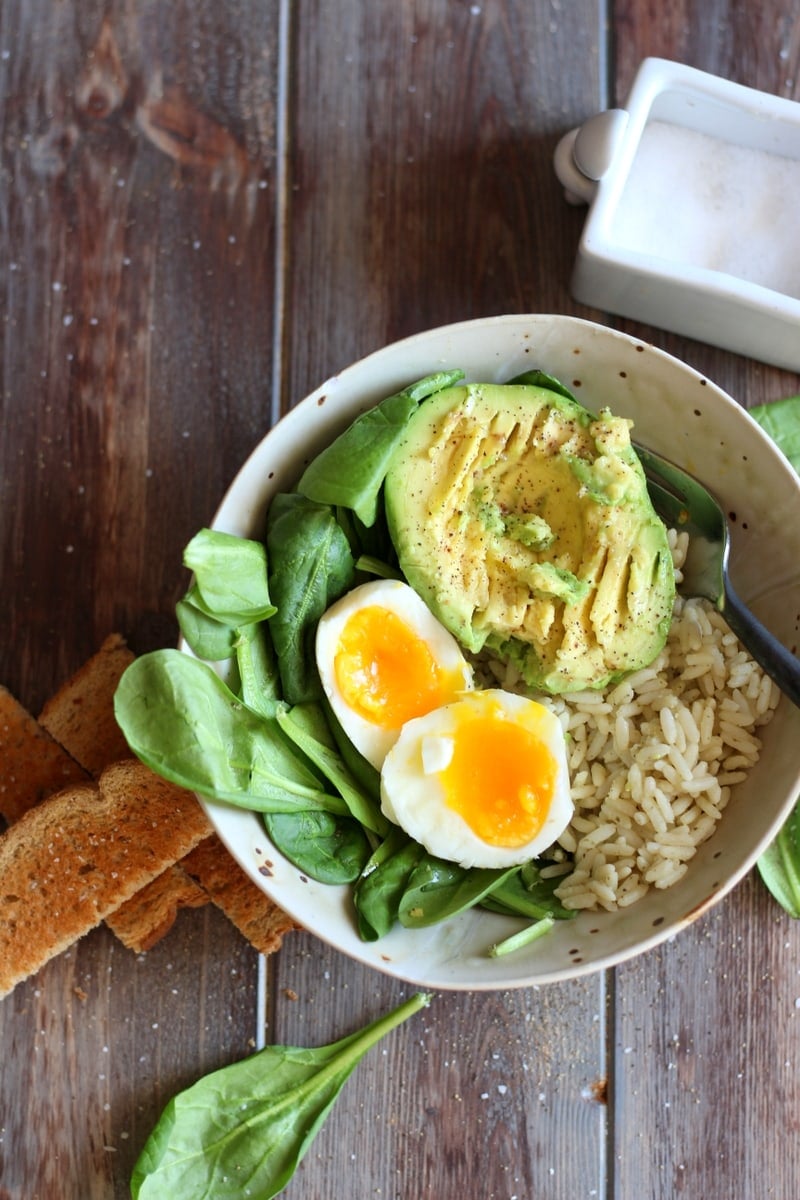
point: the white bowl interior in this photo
(677, 412)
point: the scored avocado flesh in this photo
(525, 524)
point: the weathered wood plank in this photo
(422, 192)
(136, 290)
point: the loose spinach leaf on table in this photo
(351, 471)
(310, 565)
(243, 1130)
(781, 420)
(779, 866)
(182, 720)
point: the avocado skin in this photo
(524, 522)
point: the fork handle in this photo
(779, 663)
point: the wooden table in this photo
(205, 210)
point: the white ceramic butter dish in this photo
(694, 210)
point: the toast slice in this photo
(69, 862)
(263, 924)
(80, 716)
(34, 765)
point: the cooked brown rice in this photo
(653, 758)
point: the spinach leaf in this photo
(305, 725)
(259, 679)
(230, 577)
(331, 849)
(779, 865)
(181, 719)
(383, 882)
(538, 378)
(781, 420)
(438, 890)
(244, 1129)
(311, 565)
(209, 638)
(526, 894)
(350, 472)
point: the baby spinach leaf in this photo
(779, 865)
(243, 1130)
(209, 638)
(181, 719)
(259, 679)
(359, 767)
(538, 378)
(230, 575)
(311, 565)
(526, 894)
(437, 890)
(331, 849)
(352, 469)
(781, 420)
(315, 740)
(383, 882)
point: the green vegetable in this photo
(331, 849)
(259, 680)
(311, 565)
(182, 720)
(351, 470)
(526, 894)
(437, 890)
(524, 937)
(305, 725)
(781, 420)
(382, 884)
(230, 577)
(242, 1131)
(779, 866)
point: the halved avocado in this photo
(525, 523)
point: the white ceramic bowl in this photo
(687, 418)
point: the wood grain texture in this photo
(198, 201)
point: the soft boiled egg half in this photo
(482, 781)
(384, 659)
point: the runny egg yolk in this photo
(386, 671)
(500, 778)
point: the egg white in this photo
(413, 795)
(372, 739)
